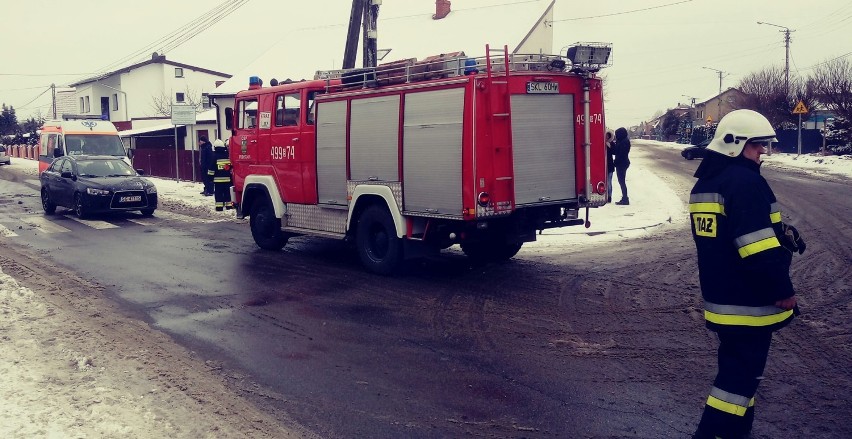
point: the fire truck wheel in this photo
(266, 228)
(507, 251)
(379, 248)
(482, 252)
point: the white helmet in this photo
(737, 128)
(218, 143)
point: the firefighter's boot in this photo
(624, 202)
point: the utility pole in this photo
(719, 97)
(355, 16)
(53, 99)
(369, 43)
(786, 32)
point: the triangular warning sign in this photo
(800, 108)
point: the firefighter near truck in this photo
(412, 157)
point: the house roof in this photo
(716, 96)
(150, 129)
(467, 29)
(155, 59)
(206, 116)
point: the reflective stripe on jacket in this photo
(743, 269)
(221, 167)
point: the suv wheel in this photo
(79, 209)
(46, 204)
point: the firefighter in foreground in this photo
(220, 169)
(744, 255)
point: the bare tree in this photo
(162, 104)
(766, 92)
(831, 84)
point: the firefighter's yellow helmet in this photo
(737, 128)
(218, 143)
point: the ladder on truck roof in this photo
(499, 112)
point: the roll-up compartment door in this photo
(374, 139)
(432, 157)
(543, 148)
(331, 152)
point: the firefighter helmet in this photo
(737, 128)
(218, 143)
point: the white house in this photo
(137, 98)
(526, 27)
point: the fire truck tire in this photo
(507, 251)
(482, 252)
(378, 246)
(266, 228)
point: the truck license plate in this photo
(130, 199)
(542, 87)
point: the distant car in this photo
(96, 184)
(4, 156)
(695, 151)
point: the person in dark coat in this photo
(220, 171)
(622, 162)
(744, 253)
(205, 161)
(610, 165)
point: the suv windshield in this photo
(104, 168)
(94, 144)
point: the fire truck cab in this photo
(407, 159)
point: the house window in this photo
(82, 105)
(179, 97)
(87, 107)
(178, 72)
(205, 101)
(115, 102)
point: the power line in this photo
(34, 99)
(623, 12)
(181, 35)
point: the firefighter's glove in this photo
(792, 240)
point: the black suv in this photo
(90, 184)
(695, 151)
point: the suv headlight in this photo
(93, 191)
(151, 189)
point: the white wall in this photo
(540, 37)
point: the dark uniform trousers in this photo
(730, 407)
(222, 182)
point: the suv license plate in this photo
(542, 87)
(130, 199)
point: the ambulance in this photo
(78, 137)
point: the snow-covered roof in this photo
(151, 129)
(469, 27)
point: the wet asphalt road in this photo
(447, 350)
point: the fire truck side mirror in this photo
(229, 119)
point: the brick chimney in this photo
(442, 9)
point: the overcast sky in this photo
(660, 47)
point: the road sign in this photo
(183, 115)
(800, 108)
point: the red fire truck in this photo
(409, 158)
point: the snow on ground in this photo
(818, 164)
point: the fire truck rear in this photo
(412, 157)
